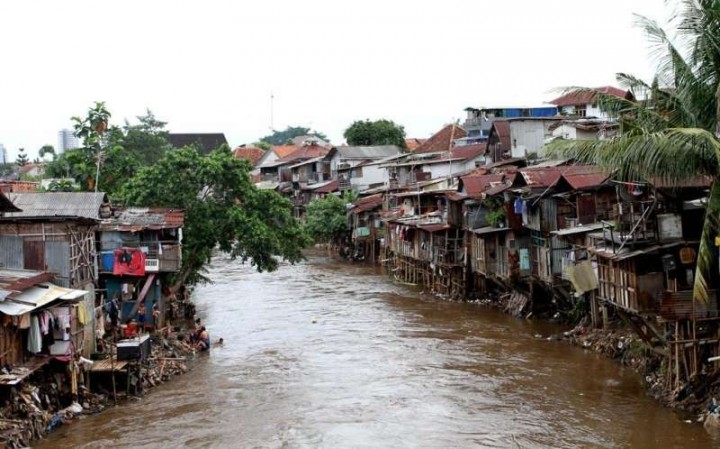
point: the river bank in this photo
(64, 393)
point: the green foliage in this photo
(46, 149)
(61, 185)
(283, 137)
(495, 216)
(7, 169)
(121, 151)
(378, 132)
(262, 145)
(671, 133)
(22, 159)
(223, 210)
(326, 219)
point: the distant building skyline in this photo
(3, 154)
(67, 140)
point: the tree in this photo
(223, 210)
(378, 132)
(326, 219)
(672, 133)
(122, 151)
(46, 149)
(283, 137)
(61, 185)
(91, 129)
(22, 159)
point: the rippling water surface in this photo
(321, 355)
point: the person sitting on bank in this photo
(203, 343)
(141, 316)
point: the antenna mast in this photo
(272, 98)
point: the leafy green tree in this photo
(61, 185)
(283, 137)
(7, 169)
(326, 219)
(121, 151)
(378, 132)
(22, 159)
(223, 210)
(672, 133)
(46, 149)
(262, 145)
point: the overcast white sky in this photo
(210, 66)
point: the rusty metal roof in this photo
(434, 227)
(133, 219)
(14, 281)
(541, 177)
(57, 204)
(584, 176)
(474, 185)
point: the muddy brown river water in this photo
(320, 355)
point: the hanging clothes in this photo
(34, 338)
(82, 314)
(518, 206)
(24, 321)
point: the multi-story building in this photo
(67, 140)
(3, 154)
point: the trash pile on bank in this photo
(33, 404)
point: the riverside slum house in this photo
(296, 174)
(54, 232)
(139, 248)
(358, 167)
(646, 258)
(46, 321)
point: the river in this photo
(325, 355)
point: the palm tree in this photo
(672, 132)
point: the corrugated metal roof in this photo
(475, 185)
(368, 152)
(586, 96)
(543, 177)
(36, 297)
(138, 218)
(367, 203)
(19, 280)
(57, 204)
(584, 176)
(434, 227)
(578, 229)
(489, 230)
(326, 187)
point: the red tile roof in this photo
(413, 143)
(586, 96)
(441, 140)
(250, 154)
(306, 152)
(283, 150)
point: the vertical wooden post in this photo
(677, 356)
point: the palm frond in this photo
(706, 257)
(672, 155)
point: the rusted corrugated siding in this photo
(11, 252)
(57, 259)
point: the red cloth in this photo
(129, 262)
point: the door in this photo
(34, 255)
